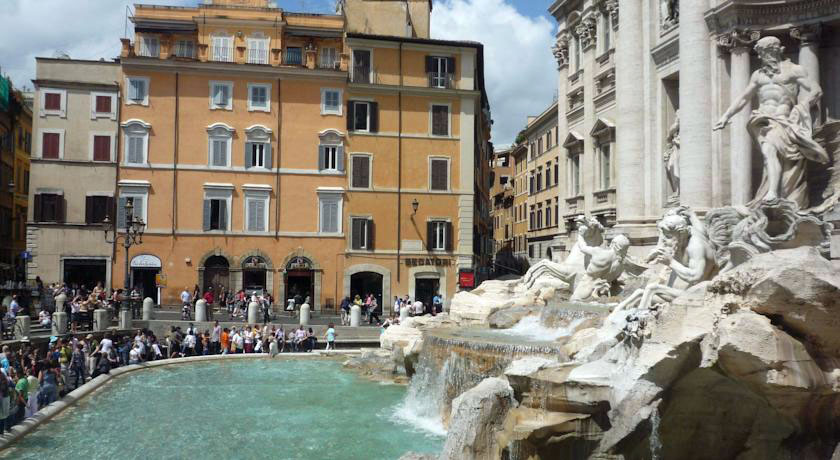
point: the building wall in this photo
(520, 201)
(541, 137)
(398, 18)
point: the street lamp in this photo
(414, 205)
(131, 235)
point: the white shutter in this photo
(259, 216)
(252, 215)
(219, 152)
(138, 208)
(135, 149)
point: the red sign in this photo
(466, 279)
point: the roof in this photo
(86, 61)
(424, 41)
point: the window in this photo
(101, 147)
(53, 102)
(574, 174)
(440, 70)
(362, 71)
(136, 142)
(556, 212)
(606, 32)
(185, 49)
(361, 171)
(539, 146)
(362, 233)
(539, 218)
(330, 211)
(257, 155)
(604, 165)
(330, 101)
(256, 212)
(138, 199)
(294, 56)
(440, 120)
(259, 97)
(578, 50)
(363, 116)
(548, 214)
(218, 145)
(328, 58)
(222, 48)
(149, 47)
(548, 175)
(257, 51)
(557, 172)
(439, 235)
(220, 95)
(532, 184)
(52, 147)
(103, 105)
(532, 219)
(531, 251)
(539, 179)
(49, 207)
(331, 158)
(97, 207)
(215, 212)
(439, 174)
(548, 140)
(138, 90)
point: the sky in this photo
(520, 75)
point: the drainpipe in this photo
(277, 169)
(399, 163)
(175, 162)
(116, 179)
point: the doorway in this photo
(144, 280)
(85, 272)
(216, 272)
(425, 289)
(364, 283)
(299, 283)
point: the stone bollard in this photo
(403, 314)
(59, 323)
(22, 323)
(355, 315)
(60, 300)
(101, 320)
(125, 319)
(148, 309)
(304, 314)
(253, 313)
(201, 311)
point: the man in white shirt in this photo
(14, 307)
(106, 344)
(418, 308)
(215, 337)
(185, 296)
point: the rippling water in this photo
(283, 409)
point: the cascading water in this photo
(655, 441)
(423, 404)
(532, 328)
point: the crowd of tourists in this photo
(372, 311)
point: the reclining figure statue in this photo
(592, 233)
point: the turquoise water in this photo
(282, 409)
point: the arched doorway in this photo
(216, 272)
(364, 283)
(144, 270)
(299, 279)
(254, 279)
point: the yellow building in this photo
(15, 148)
(274, 150)
(519, 158)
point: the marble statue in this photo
(782, 124)
(592, 233)
(685, 250)
(671, 157)
(669, 13)
(606, 265)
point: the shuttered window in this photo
(331, 157)
(440, 120)
(97, 208)
(49, 207)
(138, 210)
(363, 116)
(362, 233)
(440, 174)
(256, 218)
(103, 104)
(220, 95)
(361, 171)
(52, 101)
(137, 89)
(258, 97)
(50, 146)
(258, 155)
(439, 235)
(215, 214)
(101, 148)
(330, 215)
(219, 152)
(134, 149)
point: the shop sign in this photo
(299, 263)
(160, 280)
(466, 279)
(145, 261)
(427, 261)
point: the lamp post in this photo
(414, 205)
(131, 235)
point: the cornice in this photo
(770, 14)
(229, 68)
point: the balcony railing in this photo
(257, 56)
(441, 80)
(293, 56)
(328, 64)
(222, 53)
(361, 74)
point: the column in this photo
(695, 106)
(809, 39)
(739, 44)
(629, 93)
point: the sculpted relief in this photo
(671, 157)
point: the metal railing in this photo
(257, 56)
(293, 56)
(441, 80)
(221, 53)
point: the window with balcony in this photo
(328, 58)
(221, 49)
(221, 95)
(258, 50)
(149, 47)
(440, 70)
(362, 70)
(293, 56)
(185, 49)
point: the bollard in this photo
(404, 313)
(22, 323)
(59, 323)
(101, 320)
(355, 315)
(148, 309)
(201, 311)
(253, 313)
(304, 314)
(60, 300)
(125, 319)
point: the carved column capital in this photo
(611, 6)
(560, 49)
(807, 34)
(585, 29)
(738, 39)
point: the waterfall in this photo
(655, 442)
(424, 403)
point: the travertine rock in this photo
(477, 416)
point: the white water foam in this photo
(531, 328)
(430, 424)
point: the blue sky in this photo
(520, 72)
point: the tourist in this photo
(4, 403)
(188, 347)
(437, 303)
(248, 338)
(329, 337)
(224, 340)
(14, 307)
(374, 312)
(77, 366)
(186, 301)
(134, 355)
(280, 337)
(418, 307)
(75, 309)
(215, 337)
(311, 340)
(395, 313)
(345, 311)
(49, 378)
(272, 347)
(18, 409)
(34, 388)
(299, 338)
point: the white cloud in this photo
(519, 71)
(84, 29)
